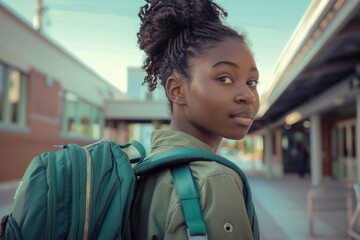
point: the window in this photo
(12, 96)
(80, 119)
(353, 142)
(344, 147)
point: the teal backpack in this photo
(86, 192)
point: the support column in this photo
(156, 124)
(315, 150)
(109, 130)
(358, 136)
(279, 154)
(122, 133)
(268, 152)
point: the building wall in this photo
(61, 99)
(26, 48)
(42, 127)
(44, 104)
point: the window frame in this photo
(6, 109)
(94, 117)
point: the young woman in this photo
(210, 78)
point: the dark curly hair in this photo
(173, 31)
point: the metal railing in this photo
(335, 196)
(354, 215)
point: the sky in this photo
(102, 33)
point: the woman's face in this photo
(222, 97)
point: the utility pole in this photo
(38, 18)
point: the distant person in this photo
(302, 159)
(210, 78)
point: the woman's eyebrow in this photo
(226, 63)
(252, 69)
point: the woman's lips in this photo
(246, 121)
(243, 117)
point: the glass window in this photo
(285, 143)
(85, 114)
(344, 147)
(339, 145)
(71, 126)
(353, 141)
(12, 96)
(80, 119)
(70, 109)
(96, 129)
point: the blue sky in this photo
(102, 33)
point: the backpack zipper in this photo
(88, 194)
(51, 200)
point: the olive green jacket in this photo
(156, 211)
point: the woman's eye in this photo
(225, 79)
(253, 83)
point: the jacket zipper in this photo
(88, 194)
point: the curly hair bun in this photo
(163, 21)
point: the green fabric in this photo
(163, 140)
(183, 156)
(156, 208)
(51, 202)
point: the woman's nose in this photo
(245, 95)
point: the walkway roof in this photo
(324, 51)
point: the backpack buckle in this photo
(196, 237)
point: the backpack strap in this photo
(180, 156)
(190, 202)
(139, 147)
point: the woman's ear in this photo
(175, 89)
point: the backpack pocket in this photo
(9, 228)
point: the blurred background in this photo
(70, 71)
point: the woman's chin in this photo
(236, 135)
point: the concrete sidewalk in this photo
(282, 210)
(280, 204)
